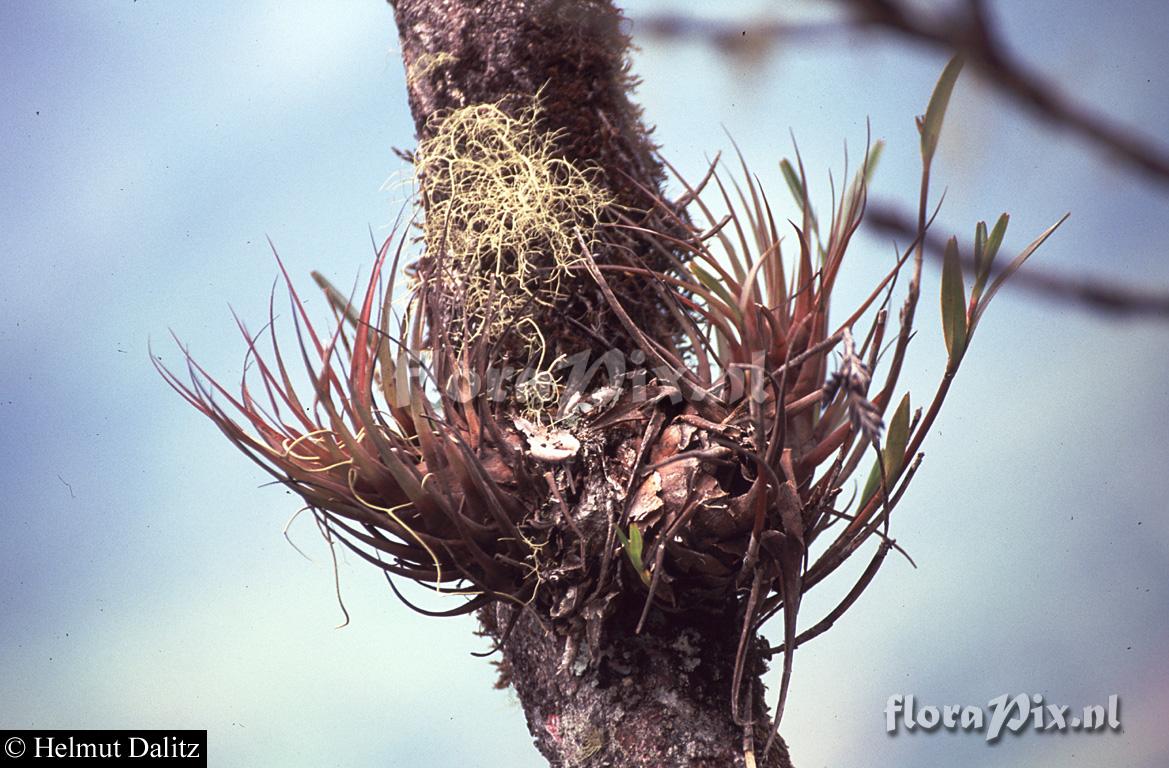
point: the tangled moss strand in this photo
(503, 210)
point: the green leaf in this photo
(871, 485)
(859, 182)
(979, 247)
(633, 545)
(799, 190)
(896, 441)
(793, 182)
(872, 160)
(953, 303)
(894, 454)
(714, 285)
(985, 253)
(337, 300)
(1013, 267)
(980, 269)
(930, 124)
(995, 241)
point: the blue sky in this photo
(150, 148)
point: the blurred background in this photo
(148, 150)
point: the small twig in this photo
(971, 33)
(567, 515)
(826, 623)
(1092, 292)
(968, 32)
(65, 483)
(737, 37)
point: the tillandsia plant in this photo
(624, 429)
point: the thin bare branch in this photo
(1092, 292)
(969, 31)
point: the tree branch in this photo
(464, 52)
(970, 33)
(1089, 292)
(595, 691)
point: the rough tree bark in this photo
(661, 697)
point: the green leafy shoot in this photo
(633, 544)
(930, 125)
(893, 457)
(986, 247)
(953, 303)
(1013, 267)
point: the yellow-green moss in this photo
(503, 213)
(429, 63)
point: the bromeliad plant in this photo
(715, 479)
(788, 429)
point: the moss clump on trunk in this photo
(505, 216)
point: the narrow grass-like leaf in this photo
(871, 485)
(990, 249)
(1013, 267)
(716, 287)
(636, 544)
(995, 240)
(341, 304)
(979, 248)
(793, 182)
(872, 160)
(953, 303)
(633, 545)
(930, 124)
(894, 455)
(898, 437)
